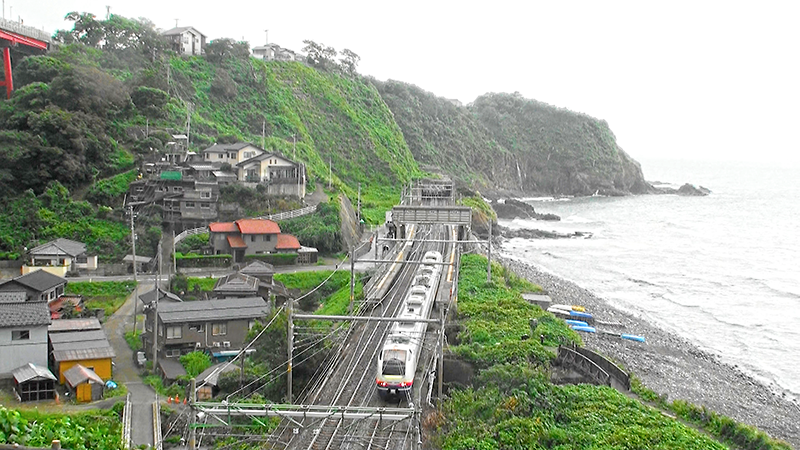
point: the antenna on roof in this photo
(176, 23)
(266, 41)
(108, 12)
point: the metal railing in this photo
(126, 423)
(19, 28)
(157, 444)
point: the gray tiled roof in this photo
(256, 268)
(60, 246)
(62, 325)
(211, 375)
(164, 296)
(77, 336)
(219, 309)
(13, 296)
(172, 368)
(179, 30)
(30, 372)
(71, 351)
(39, 280)
(237, 282)
(24, 314)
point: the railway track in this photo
(349, 380)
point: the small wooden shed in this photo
(84, 383)
(33, 383)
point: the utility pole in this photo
(290, 349)
(352, 278)
(176, 23)
(155, 311)
(188, 123)
(489, 265)
(135, 281)
(440, 365)
(192, 413)
(174, 258)
(108, 12)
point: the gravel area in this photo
(671, 365)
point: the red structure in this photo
(10, 39)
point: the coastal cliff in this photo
(505, 142)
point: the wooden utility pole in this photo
(135, 281)
(489, 266)
(440, 365)
(155, 311)
(290, 350)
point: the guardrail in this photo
(157, 444)
(612, 369)
(25, 30)
(126, 423)
(585, 366)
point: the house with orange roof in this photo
(250, 237)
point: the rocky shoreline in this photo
(673, 366)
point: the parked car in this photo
(140, 359)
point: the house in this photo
(307, 255)
(23, 335)
(59, 257)
(170, 369)
(249, 237)
(274, 52)
(214, 325)
(142, 263)
(232, 154)
(38, 286)
(261, 270)
(32, 383)
(84, 383)
(287, 244)
(236, 285)
(185, 40)
(282, 176)
(89, 348)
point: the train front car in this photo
(397, 361)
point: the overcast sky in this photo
(698, 79)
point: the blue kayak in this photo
(584, 329)
(580, 314)
(632, 337)
(578, 323)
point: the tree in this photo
(38, 69)
(195, 363)
(320, 56)
(150, 101)
(222, 49)
(349, 62)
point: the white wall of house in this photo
(16, 353)
(232, 157)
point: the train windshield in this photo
(394, 362)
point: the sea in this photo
(722, 270)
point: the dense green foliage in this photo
(321, 230)
(195, 363)
(513, 405)
(276, 259)
(507, 141)
(306, 281)
(108, 295)
(193, 243)
(93, 430)
(30, 220)
(109, 191)
(195, 260)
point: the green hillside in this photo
(505, 141)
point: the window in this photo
(205, 205)
(219, 329)
(232, 155)
(172, 352)
(174, 332)
(20, 335)
(198, 327)
(252, 238)
(219, 156)
(208, 155)
(206, 194)
(268, 237)
(189, 204)
(248, 155)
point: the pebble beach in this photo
(674, 367)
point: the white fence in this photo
(126, 423)
(276, 217)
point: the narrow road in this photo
(142, 395)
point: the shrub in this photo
(195, 363)
(276, 259)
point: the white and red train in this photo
(397, 361)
